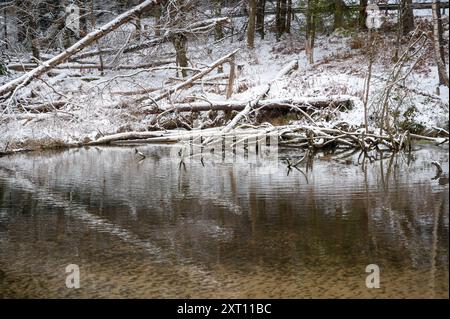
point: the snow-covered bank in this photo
(101, 105)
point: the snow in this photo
(338, 70)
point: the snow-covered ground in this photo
(340, 68)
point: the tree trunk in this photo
(33, 39)
(2, 68)
(22, 20)
(438, 44)
(338, 14)
(84, 42)
(83, 17)
(179, 42)
(280, 19)
(283, 11)
(310, 30)
(289, 16)
(407, 16)
(362, 14)
(218, 32)
(158, 14)
(251, 24)
(231, 105)
(260, 17)
(5, 28)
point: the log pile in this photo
(297, 135)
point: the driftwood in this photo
(84, 42)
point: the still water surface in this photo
(153, 229)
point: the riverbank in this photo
(82, 105)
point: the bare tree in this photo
(438, 43)
(175, 15)
(362, 14)
(2, 68)
(251, 24)
(281, 12)
(260, 15)
(218, 32)
(289, 14)
(310, 30)
(407, 16)
(338, 14)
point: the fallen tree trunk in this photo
(126, 136)
(84, 42)
(36, 116)
(228, 105)
(30, 66)
(308, 136)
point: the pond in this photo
(153, 228)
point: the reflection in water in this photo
(154, 229)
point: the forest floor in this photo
(101, 104)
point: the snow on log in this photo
(230, 105)
(30, 66)
(126, 136)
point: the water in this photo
(155, 229)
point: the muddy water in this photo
(153, 228)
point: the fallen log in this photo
(125, 136)
(308, 136)
(36, 116)
(84, 42)
(230, 105)
(30, 66)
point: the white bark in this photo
(437, 45)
